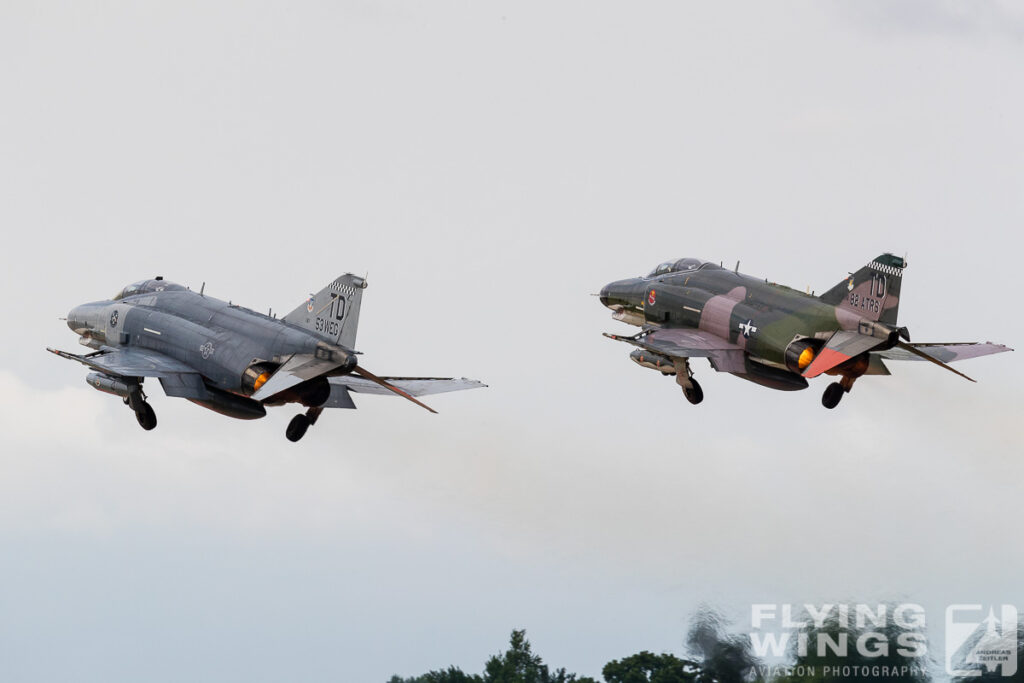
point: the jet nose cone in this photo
(85, 318)
(622, 293)
(76, 319)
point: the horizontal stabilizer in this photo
(296, 370)
(841, 347)
(924, 356)
(947, 353)
(414, 386)
(383, 383)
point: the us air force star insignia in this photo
(206, 349)
(113, 319)
(748, 328)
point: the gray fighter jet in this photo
(233, 360)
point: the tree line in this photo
(716, 656)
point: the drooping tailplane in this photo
(333, 312)
(873, 292)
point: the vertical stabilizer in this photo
(333, 312)
(873, 292)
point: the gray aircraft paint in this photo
(232, 359)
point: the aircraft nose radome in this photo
(622, 293)
(74, 318)
(83, 318)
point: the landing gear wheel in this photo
(833, 394)
(146, 416)
(297, 427)
(694, 394)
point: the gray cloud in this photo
(948, 19)
(490, 167)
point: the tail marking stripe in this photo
(889, 270)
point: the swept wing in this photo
(687, 343)
(129, 362)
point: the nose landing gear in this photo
(300, 423)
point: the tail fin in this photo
(873, 292)
(333, 312)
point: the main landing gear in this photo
(136, 400)
(684, 378)
(694, 394)
(146, 417)
(834, 392)
(300, 423)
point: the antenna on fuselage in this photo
(737, 268)
(201, 289)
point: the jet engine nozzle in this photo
(256, 375)
(801, 353)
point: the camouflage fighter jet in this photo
(232, 360)
(770, 334)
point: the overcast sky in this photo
(490, 166)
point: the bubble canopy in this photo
(147, 287)
(681, 266)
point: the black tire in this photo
(694, 394)
(146, 416)
(297, 427)
(833, 395)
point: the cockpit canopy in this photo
(157, 284)
(681, 266)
